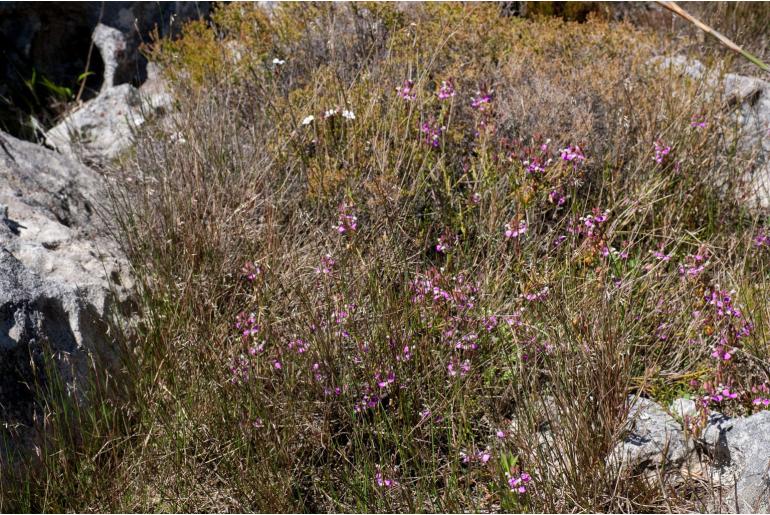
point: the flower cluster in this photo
(432, 133)
(347, 221)
(762, 239)
(446, 90)
(661, 151)
(482, 101)
(725, 322)
(405, 90)
(693, 265)
(515, 230)
(518, 482)
(698, 121)
(572, 154)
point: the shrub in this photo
(381, 248)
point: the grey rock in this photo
(741, 452)
(54, 38)
(61, 278)
(751, 98)
(682, 65)
(654, 438)
(100, 129)
(112, 47)
(683, 407)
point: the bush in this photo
(381, 248)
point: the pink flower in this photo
(405, 91)
(432, 134)
(250, 271)
(382, 481)
(347, 221)
(555, 197)
(762, 239)
(516, 230)
(698, 121)
(327, 264)
(518, 482)
(661, 151)
(482, 101)
(572, 153)
(446, 90)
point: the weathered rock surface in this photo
(741, 450)
(101, 128)
(60, 277)
(654, 438)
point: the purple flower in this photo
(250, 271)
(382, 481)
(515, 230)
(432, 134)
(762, 239)
(573, 153)
(446, 90)
(698, 121)
(661, 151)
(327, 265)
(405, 91)
(482, 101)
(557, 198)
(347, 221)
(518, 482)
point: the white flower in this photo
(348, 114)
(330, 112)
(308, 120)
(279, 62)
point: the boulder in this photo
(740, 450)
(101, 128)
(750, 98)
(654, 438)
(61, 279)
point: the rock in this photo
(740, 449)
(100, 129)
(47, 49)
(61, 278)
(112, 47)
(751, 96)
(682, 65)
(683, 407)
(55, 38)
(654, 438)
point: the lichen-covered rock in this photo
(60, 277)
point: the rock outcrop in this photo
(61, 278)
(101, 129)
(737, 451)
(654, 438)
